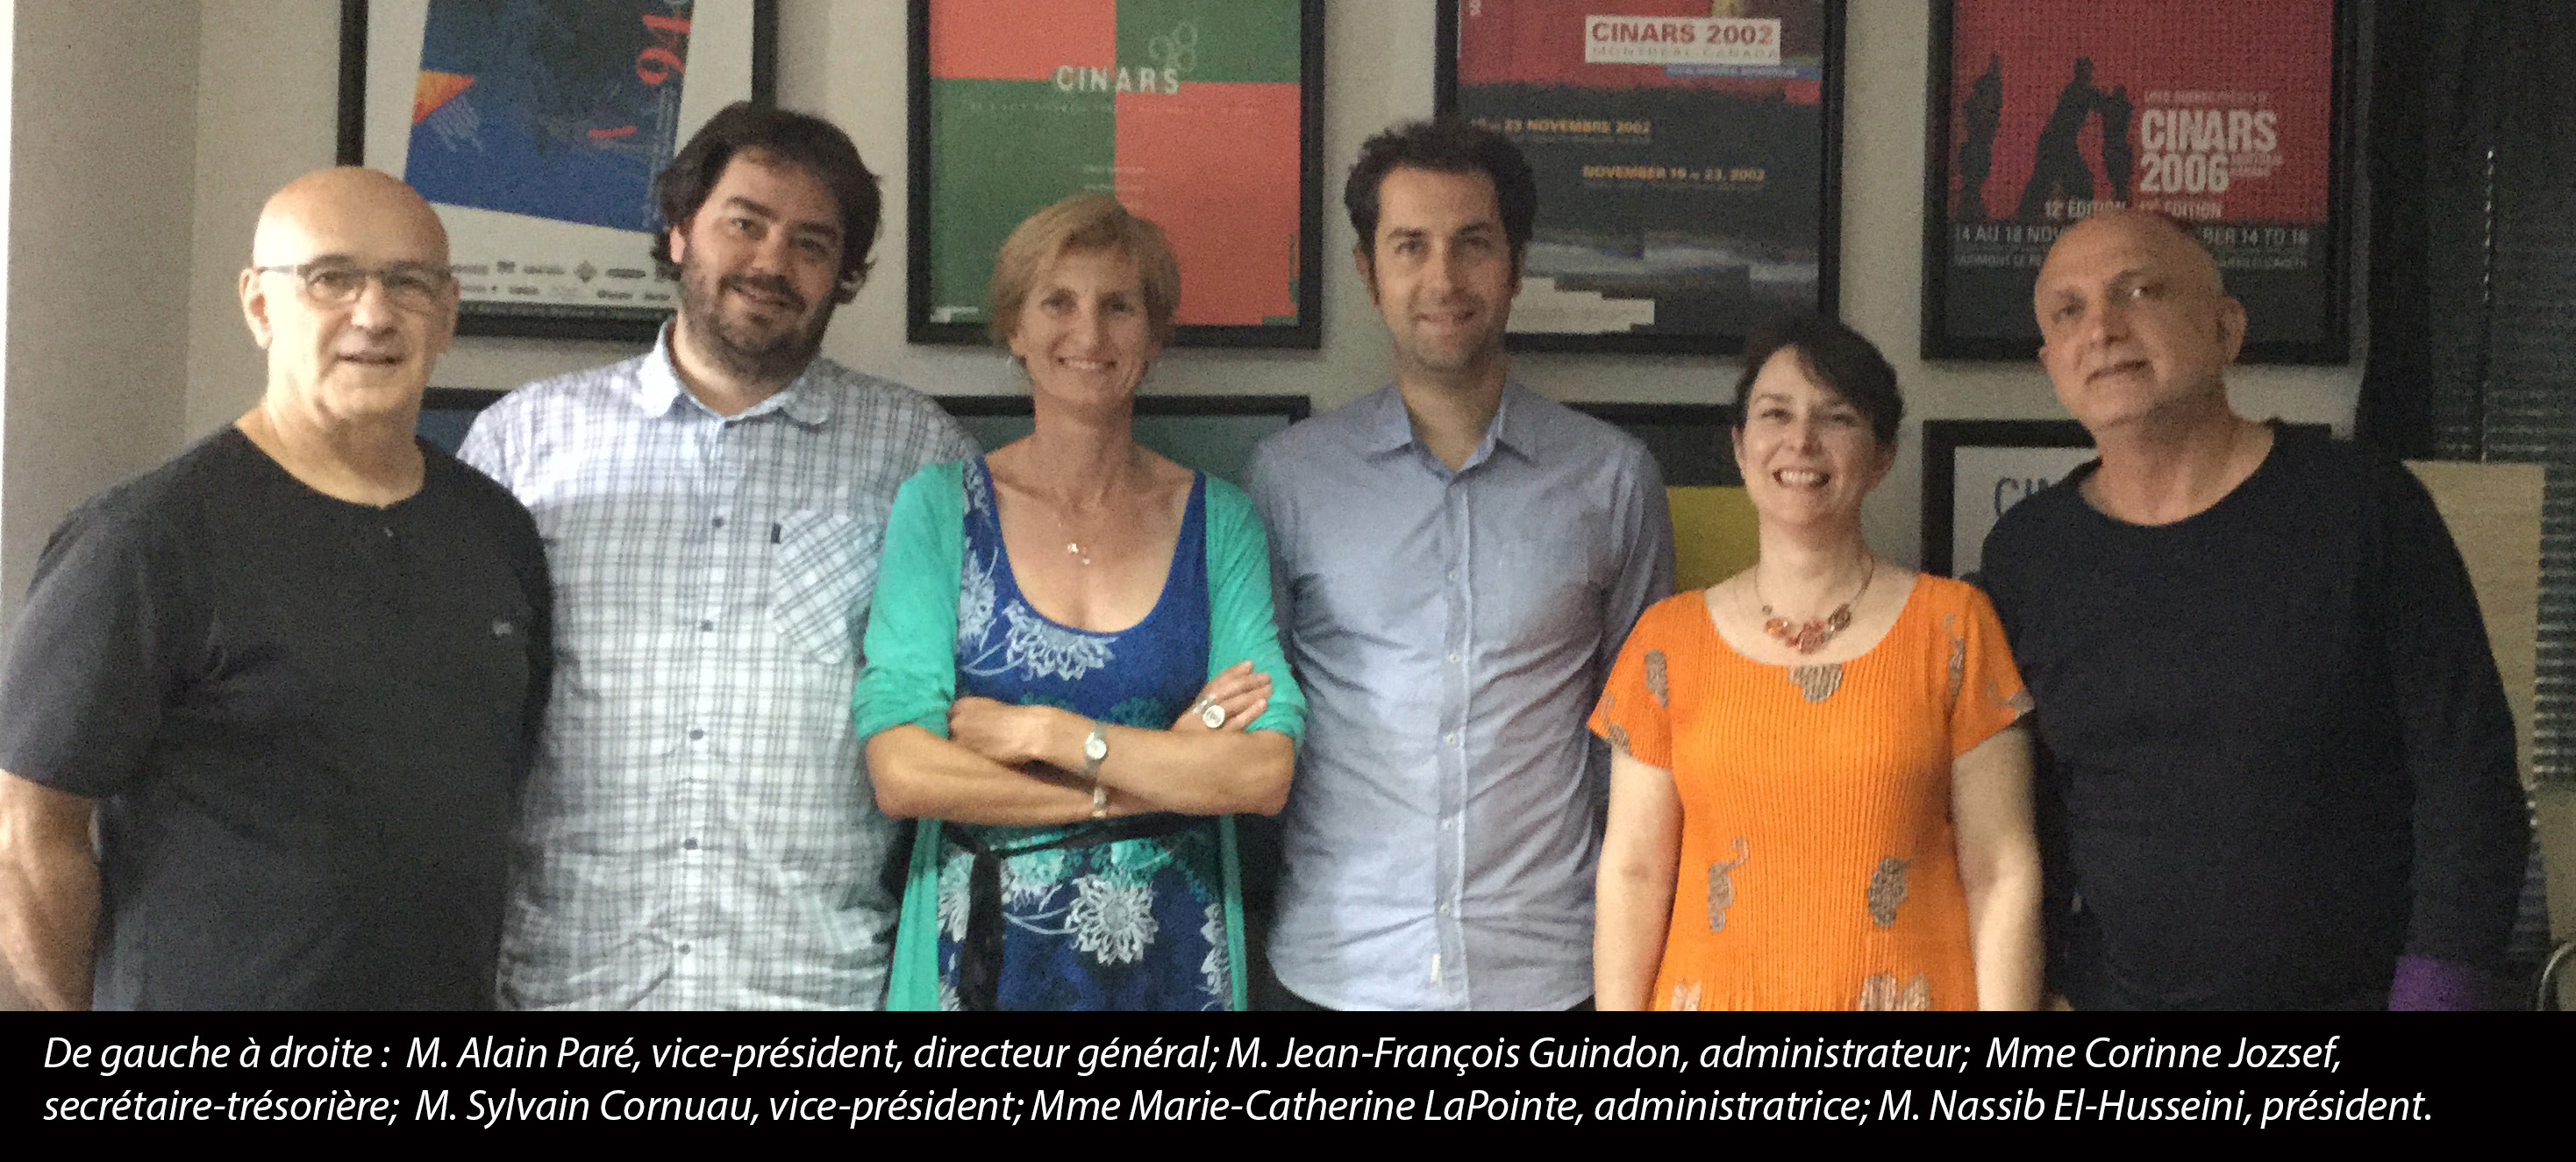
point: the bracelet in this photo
(1095, 748)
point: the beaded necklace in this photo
(1813, 635)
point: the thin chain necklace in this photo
(1072, 544)
(1813, 635)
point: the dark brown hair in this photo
(1446, 145)
(1837, 358)
(810, 143)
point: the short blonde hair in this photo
(1083, 222)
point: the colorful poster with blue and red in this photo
(536, 128)
(2218, 113)
(558, 109)
(1193, 113)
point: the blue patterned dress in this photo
(1131, 924)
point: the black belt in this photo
(979, 956)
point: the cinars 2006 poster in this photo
(2219, 113)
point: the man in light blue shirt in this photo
(1457, 559)
(698, 831)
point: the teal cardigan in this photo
(909, 676)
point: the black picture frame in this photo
(2318, 300)
(447, 413)
(1690, 442)
(1739, 312)
(1211, 433)
(2054, 447)
(1944, 440)
(922, 237)
(533, 319)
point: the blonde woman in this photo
(1072, 675)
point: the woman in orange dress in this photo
(1819, 798)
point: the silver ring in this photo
(1213, 714)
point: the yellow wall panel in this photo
(1713, 535)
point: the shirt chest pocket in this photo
(825, 563)
(1544, 585)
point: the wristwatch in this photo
(1094, 749)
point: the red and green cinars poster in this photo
(1189, 111)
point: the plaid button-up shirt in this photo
(699, 831)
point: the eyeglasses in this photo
(411, 286)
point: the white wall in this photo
(8, 74)
(103, 138)
(265, 112)
(268, 108)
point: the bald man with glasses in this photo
(267, 710)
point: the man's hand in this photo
(48, 892)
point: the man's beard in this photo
(743, 351)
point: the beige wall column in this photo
(102, 125)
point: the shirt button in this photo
(1453, 658)
(685, 948)
(691, 843)
(1453, 574)
(1448, 824)
(1448, 740)
(695, 735)
(1444, 910)
(719, 522)
(705, 626)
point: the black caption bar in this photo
(506, 1074)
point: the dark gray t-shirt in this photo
(306, 720)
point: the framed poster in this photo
(1688, 158)
(1214, 434)
(2226, 115)
(1205, 116)
(1973, 470)
(535, 127)
(1693, 443)
(1714, 531)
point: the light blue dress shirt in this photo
(1451, 631)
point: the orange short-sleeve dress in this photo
(1818, 865)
